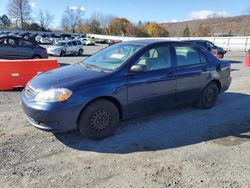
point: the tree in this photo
(186, 32)
(155, 30)
(202, 31)
(45, 19)
(5, 21)
(94, 26)
(72, 17)
(20, 11)
(119, 26)
(33, 26)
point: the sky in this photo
(141, 10)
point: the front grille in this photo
(30, 93)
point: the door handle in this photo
(170, 74)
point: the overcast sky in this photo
(144, 10)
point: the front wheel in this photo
(62, 54)
(209, 95)
(99, 119)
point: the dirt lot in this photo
(184, 147)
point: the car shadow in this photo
(172, 128)
(235, 62)
(63, 64)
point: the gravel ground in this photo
(184, 147)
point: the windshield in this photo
(112, 57)
(61, 44)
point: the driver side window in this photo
(156, 58)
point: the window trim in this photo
(196, 49)
(154, 47)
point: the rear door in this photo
(8, 48)
(75, 47)
(25, 49)
(192, 73)
(69, 48)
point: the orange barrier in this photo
(17, 73)
(247, 59)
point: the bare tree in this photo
(45, 19)
(72, 17)
(19, 10)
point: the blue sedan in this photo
(122, 81)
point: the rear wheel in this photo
(99, 119)
(80, 52)
(62, 54)
(208, 96)
(36, 57)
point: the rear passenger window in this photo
(74, 43)
(188, 56)
(69, 43)
(25, 43)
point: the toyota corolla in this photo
(121, 81)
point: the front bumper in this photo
(225, 84)
(54, 117)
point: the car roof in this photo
(147, 42)
(196, 41)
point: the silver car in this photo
(67, 47)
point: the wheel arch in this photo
(217, 82)
(108, 98)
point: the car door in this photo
(8, 48)
(75, 47)
(192, 73)
(25, 49)
(69, 48)
(155, 87)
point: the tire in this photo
(80, 52)
(99, 120)
(36, 57)
(209, 96)
(62, 54)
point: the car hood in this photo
(71, 77)
(55, 48)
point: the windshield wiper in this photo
(93, 67)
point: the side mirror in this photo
(138, 68)
(209, 48)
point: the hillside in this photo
(239, 26)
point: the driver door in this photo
(155, 87)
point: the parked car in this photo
(67, 47)
(101, 41)
(18, 48)
(88, 41)
(46, 40)
(121, 81)
(217, 51)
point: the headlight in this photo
(53, 95)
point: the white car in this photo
(66, 47)
(86, 41)
(45, 40)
